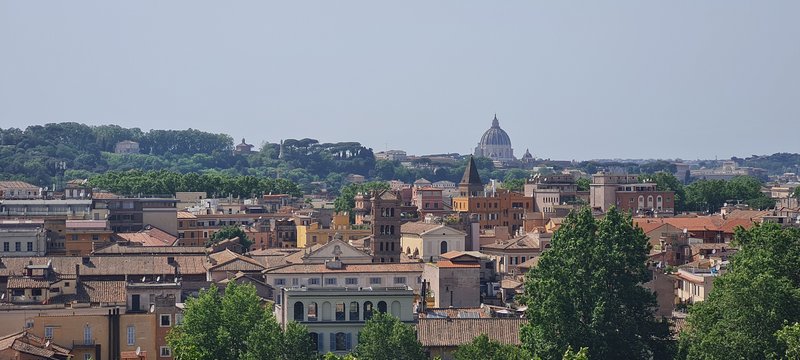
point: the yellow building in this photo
(312, 234)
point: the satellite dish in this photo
(144, 278)
(138, 350)
(47, 343)
(158, 278)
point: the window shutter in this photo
(333, 341)
(349, 343)
(320, 341)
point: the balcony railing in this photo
(83, 343)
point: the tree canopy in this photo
(385, 337)
(345, 202)
(235, 326)
(230, 232)
(751, 303)
(586, 291)
(483, 348)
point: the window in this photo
(36, 292)
(312, 312)
(30, 246)
(299, 310)
(165, 351)
(87, 335)
(313, 281)
(280, 282)
(341, 342)
(374, 281)
(17, 246)
(400, 280)
(5, 247)
(295, 281)
(367, 310)
(443, 247)
(353, 311)
(178, 319)
(131, 335)
(351, 281)
(340, 312)
(382, 306)
(330, 281)
(95, 237)
(165, 320)
(48, 332)
(87, 356)
(74, 237)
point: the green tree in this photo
(583, 184)
(789, 337)
(582, 354)
(385, 337)
(706, 195)
(484, 348)
(230, 232)
(797, 192)
(235, 326)
(517, 185)
(750, 303)
(587, 291)
(346, 199)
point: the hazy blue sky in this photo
(567, 79)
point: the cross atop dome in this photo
(495, 122)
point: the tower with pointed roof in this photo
(495, 144)
(470, 184)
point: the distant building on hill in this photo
(127, 147)
(243, 148)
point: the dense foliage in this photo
(217, 184)
(586, 291)
(483, 348)
(236, 326)
(230, 232)
(385, 337)
(345, 202)
(711, 195)
(746, 313)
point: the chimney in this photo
(77, 274)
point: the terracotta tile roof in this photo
(227, 260)
(747, 214)
(33, 345)
(525, 242)
(510, 284)
(455, 332)
(454, 313)
(104, 195)
(418, 227)
(110, 265)
(347, 268)
(117, 249)
(16, 185)
(731, 224)
(151, 236)
(186, 215)
(27, 283)
(530, 263)
(450, 264)
(103, 291)
(650, 225)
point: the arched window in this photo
(650, 202)
(326, 311)
(340, 311)
(396, 309)
(367, 310)
(353, 311)
(442, 247)
(312, 311)
(641, 202)
(382, 306)
(299, 311)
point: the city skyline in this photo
(567, 81)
